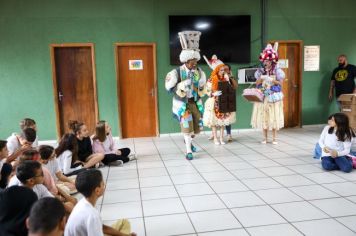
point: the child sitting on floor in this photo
(67, 158)
(49, 161)
(103, 142)
(335, 142)
(47, 217)
(317, 149)
(17, 144)
(30, 123)
(85, 218)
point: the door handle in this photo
(152, 92)
(60, 95)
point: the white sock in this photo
(188, 142)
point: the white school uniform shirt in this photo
(84, 220)
(331, 141)
(65, 162)
(13, 143)
(53, 168)
(40, 190)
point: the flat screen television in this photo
(229, 37)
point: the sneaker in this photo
(216, 142)
(211, 137)
(229, 138)
(189, 156)
(264, 142)
(274, 142)
(116, 163)
(194, 149)
(132, 157)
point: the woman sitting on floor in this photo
(103, 143)
(335, 142)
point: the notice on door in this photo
(135, 65)
(282, 63)
(311, 58)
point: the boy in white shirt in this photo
(85, 219)
(30, 174)
(17, 144)
(47, 218)
(30, 123)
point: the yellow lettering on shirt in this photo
(341, 75)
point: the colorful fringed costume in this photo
(187, 96)
(187, 85)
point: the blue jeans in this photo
(342, 163)
(317, 151)
(228, 129)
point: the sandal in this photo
(216, 142)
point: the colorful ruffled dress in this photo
(268, 114)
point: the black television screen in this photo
(229, 37)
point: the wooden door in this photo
(136, 86)
(290, 53)
(74, 85)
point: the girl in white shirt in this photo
(67, 155)
(335, 142)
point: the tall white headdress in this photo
(189, 41)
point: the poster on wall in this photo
(311, 58)
(135, 65)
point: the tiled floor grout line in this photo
(139, 187)
(102, 200)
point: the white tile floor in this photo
(241, 188)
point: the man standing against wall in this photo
(187, 85)
(342, 79)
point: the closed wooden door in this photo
(290, 54)
(74, 86)
(136, 86)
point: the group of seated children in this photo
(50, 173)
(76, 152)
(335, 144)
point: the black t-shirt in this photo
(344, 79)
(84, 149)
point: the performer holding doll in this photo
(187, 84)
(215, 116)
(268, 115)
